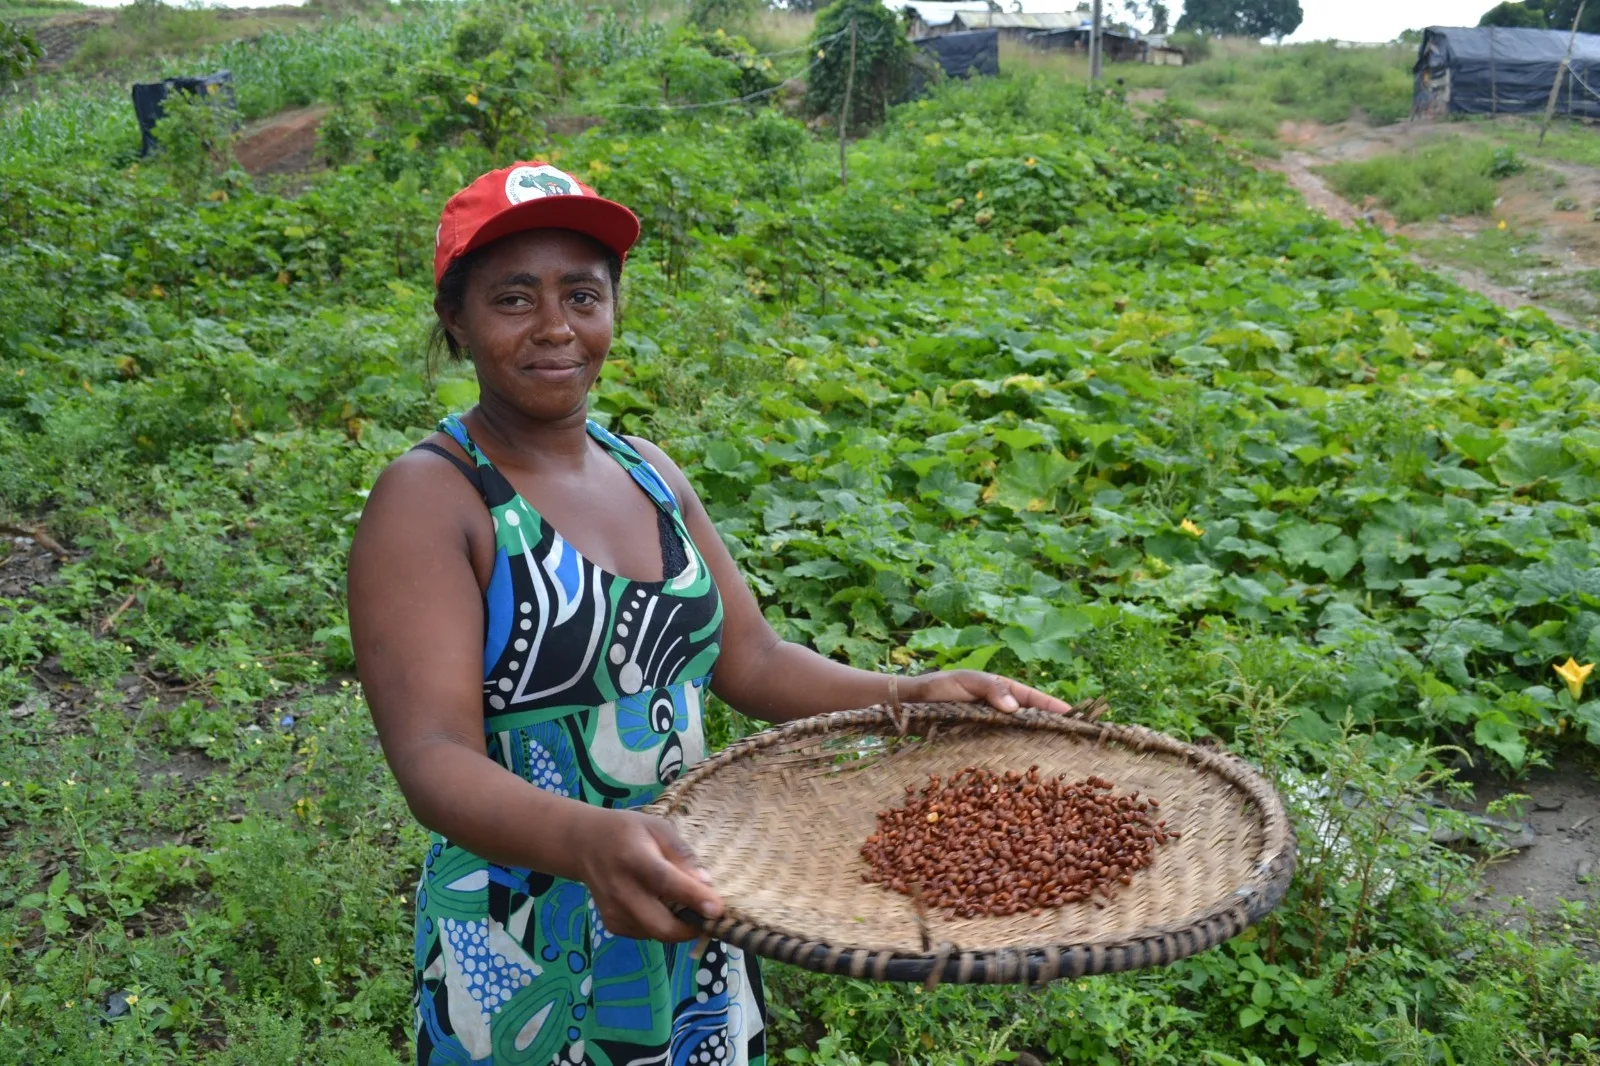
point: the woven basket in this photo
(779, 818)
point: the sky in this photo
(1382, 20)
(1343, 20)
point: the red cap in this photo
(527, 196)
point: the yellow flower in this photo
(316, 960)
(472, 98)
(980, 194)
(1030, 162)
(133, 1001)
(1188, 526)
(1574, 675)
(1502, 224)
(820, 53)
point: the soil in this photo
(1563, 809)
(25, 565)
(286, 143)
(60, 36)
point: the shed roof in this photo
(1506, 45)
(1006, 20)
(943, 12)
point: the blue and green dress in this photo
(592, 689)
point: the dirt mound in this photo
(283, 144)
(62, 35)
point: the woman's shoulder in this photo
(420, 478)
(653, 454)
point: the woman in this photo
(539, 608)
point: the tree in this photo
(1159, 14)
(1542, 15)
(1242, 18)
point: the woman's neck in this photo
(530, 442)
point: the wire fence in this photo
(1575, 76)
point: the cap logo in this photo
(531, 183)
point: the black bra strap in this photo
(673, 556)
(472, 473)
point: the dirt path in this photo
(284, 144)
(1316, 146)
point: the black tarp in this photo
(964, 54)
(1486, 70)
(147, 98)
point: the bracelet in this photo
(896, 712)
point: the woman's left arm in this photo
(764, 676)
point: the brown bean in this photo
(981, 843)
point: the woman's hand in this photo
(635, 864)
(960, 686)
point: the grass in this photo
(1513, 258)
(1250, 89)
(777, 30)
(153, 29)
(1319, 82)
(1565, 141)
(11, 9)
(1074, 66)
(1450, 177)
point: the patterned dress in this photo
(592, 689)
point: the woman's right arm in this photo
(416, 622)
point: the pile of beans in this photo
(983, 843)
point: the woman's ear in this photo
(451, 321)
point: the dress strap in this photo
(471, 473)
(457, 429)
(637, 466)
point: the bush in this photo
(882, 62)
(196, 135)
(18, 52)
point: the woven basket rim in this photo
(1272, 867)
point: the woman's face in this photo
(537, 316)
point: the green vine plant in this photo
(19, 54)
(882, 65)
